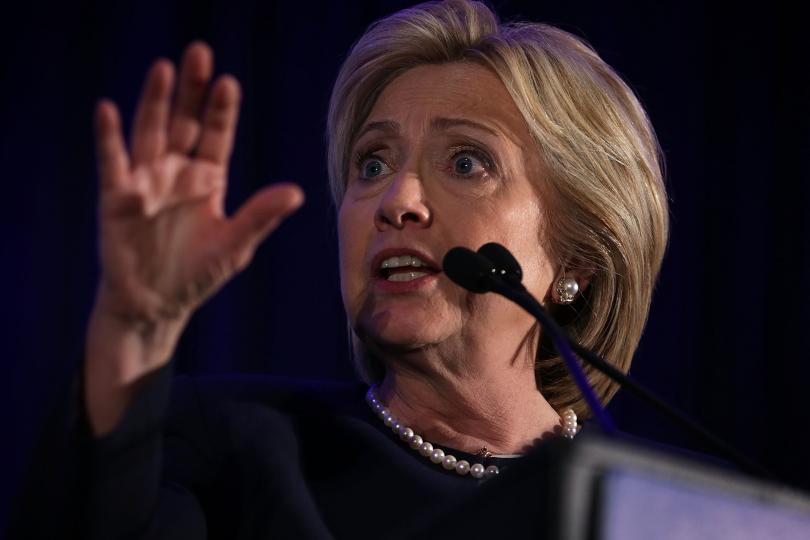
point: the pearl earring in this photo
(566, 289)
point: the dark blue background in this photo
(727, 339)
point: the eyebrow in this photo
(386, 126)
(437, 124)
(443, 124)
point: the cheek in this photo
(343, 240)
(521, 228)
(352, 246)
(538, 268)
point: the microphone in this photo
(476, 273)
(495, 269)
(506, 266)
(468, 269)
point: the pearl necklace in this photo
(461, 466)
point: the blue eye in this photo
(464, 165)
(467, 164)
(372, 168)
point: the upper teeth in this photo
(402, 260)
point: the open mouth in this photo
(404, 268)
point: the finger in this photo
(257, 218)
(195, 72)
(219, 121)
(113, 161)
(149, 130)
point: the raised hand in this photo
(165, 242)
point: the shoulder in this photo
(256, 415)
(274, 391)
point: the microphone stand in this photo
(499, 272)
(518, 294)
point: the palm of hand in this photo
(158, 245)
(165, 243)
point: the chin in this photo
(400, 330)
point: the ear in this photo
(582, 276)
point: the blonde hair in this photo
(604, 166)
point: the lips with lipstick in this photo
(405, 268)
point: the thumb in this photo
(258, 217)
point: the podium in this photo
(609, 489)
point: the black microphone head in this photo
(468, 269)
(503, 261)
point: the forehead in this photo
(461, 90)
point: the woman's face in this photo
(444, 159)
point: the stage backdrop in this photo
(727, 338)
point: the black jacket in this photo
(247, 456)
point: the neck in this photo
(492, 402)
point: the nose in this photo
(403, 202)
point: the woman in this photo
(445, 129)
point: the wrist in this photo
(119, 355)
